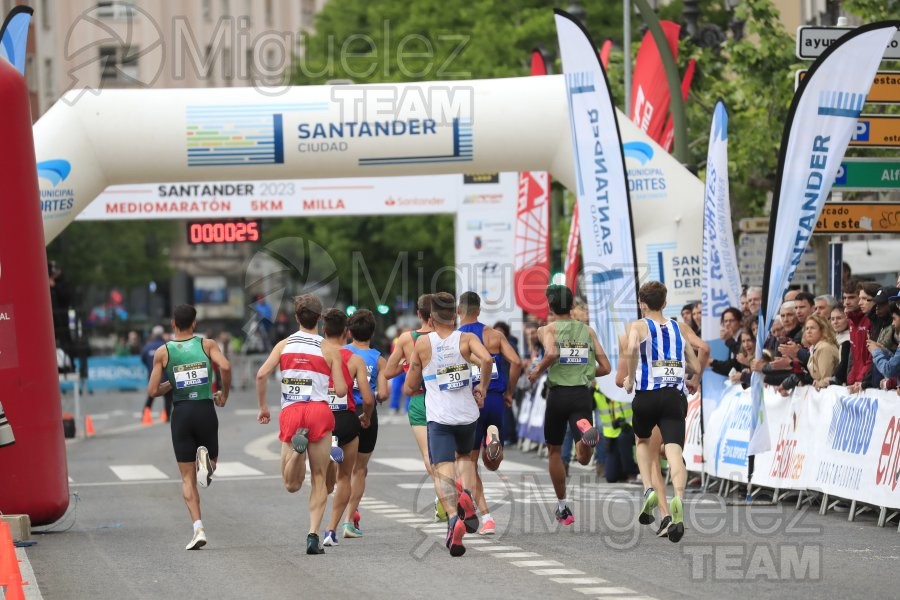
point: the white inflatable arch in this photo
(89, 141)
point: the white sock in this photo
(198, 524)
(563, 503)
(485, 517)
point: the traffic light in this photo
(350, 310)
(383, 309)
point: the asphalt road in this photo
(126, 529)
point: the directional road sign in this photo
(813, 41)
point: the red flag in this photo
(538, 67)
(604, 53)
(669, 133)
(571, 266)
(649, 89)
(532, 268)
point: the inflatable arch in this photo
(89, 141)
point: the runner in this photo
(187, 360)
(499, 396)
(442, 360)
(573, 357)
(347, 424)
(362, 328)
(658, 374)
(398, 363)
(305, 421)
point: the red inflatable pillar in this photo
(33, 476)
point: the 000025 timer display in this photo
(222, 232)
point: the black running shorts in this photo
(368, 437)
(346, 426)
(566, 405)
(666, 408)
(194, 423)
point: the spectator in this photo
(264, 311)
(282, 327)
(841, 327)
(618, 439)
(887, 362)
(847, 274)
(744, 359)
(824, 355)
(804, 305)
(824, 304)
(754, 300)
(510, 436)
(860, 359)
(744, 310)
(134, 344)
(697, 316)
(730, 322)
(121, 347)
(880, 329)
(157, 339)
(686, 314)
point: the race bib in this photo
(295, 389)
(668, 371)
(454, 377)
(476, 372)
(191, 375)
(573, 353)
(336, 402)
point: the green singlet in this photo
(189, 369)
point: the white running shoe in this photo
(204, 467)
(198, 541)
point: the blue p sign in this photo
(862, 131)
(841, 177)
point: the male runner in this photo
(499, 396)
(573, 358)
(658, 374)
(347, 424)
(305, 421)
(187, 361)
(442, 360)
(397, 363)
(362, 328)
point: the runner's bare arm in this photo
(262, 380)
(636, 332)
(473, 348)
(547, 336)
(621, 368)
(395, 362)
(413, 381)
(154, 388)
(382, 391)
(603, 366)
(333, 357)
(694, 362)
(218, 359)
(515, 367)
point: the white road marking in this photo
(536, 563)
(234, 469)
(32, 591)
(402, 464)
(500, 549)
(557, 572)
(516, 554)
(579, 580)
(604, 591)
(137, 472)
(260, 447)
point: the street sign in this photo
(868, 174)
(859, 217)
(813, 41)
(885, 87)
(877, 131)
(753, 224)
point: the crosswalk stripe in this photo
(536, 563)
(136, 472)
(500, 549)
(516, 554)
(579, 580)
(557, 572)
(604, 591)
(234, 469)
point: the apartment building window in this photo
(115, 9)
(118, 64)
(207, 11)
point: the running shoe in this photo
(456, 529)
(651, 501)
(565, 515)
(330, 538)
(493, 447)
(312, 544)
(488, 527)
(351, 531)
(465, 508)
(300, 440)
(664, 525)
(356, 519)
(676, 530)
(337, 454)
(198, 541)
(204, 467)
(590, 435)
(440, 513)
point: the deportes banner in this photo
(649, 88)
(721, 278)
(821, 121)
(607, 236)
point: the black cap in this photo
(885, 294)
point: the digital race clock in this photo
(223, 232)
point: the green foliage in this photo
(873, 10)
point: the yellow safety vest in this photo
(610, 411)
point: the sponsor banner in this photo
(535, 429)
(649, 89)
(822, 119)
(693, 438)
(721, 278)
(484, 248)
(727, 435)
(607, 235)
(532, 243)
(790, 420)
(112, 373)
(381, 196)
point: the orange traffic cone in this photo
(88, 426)
(147, 419)
(10, 576)
(163, 416)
